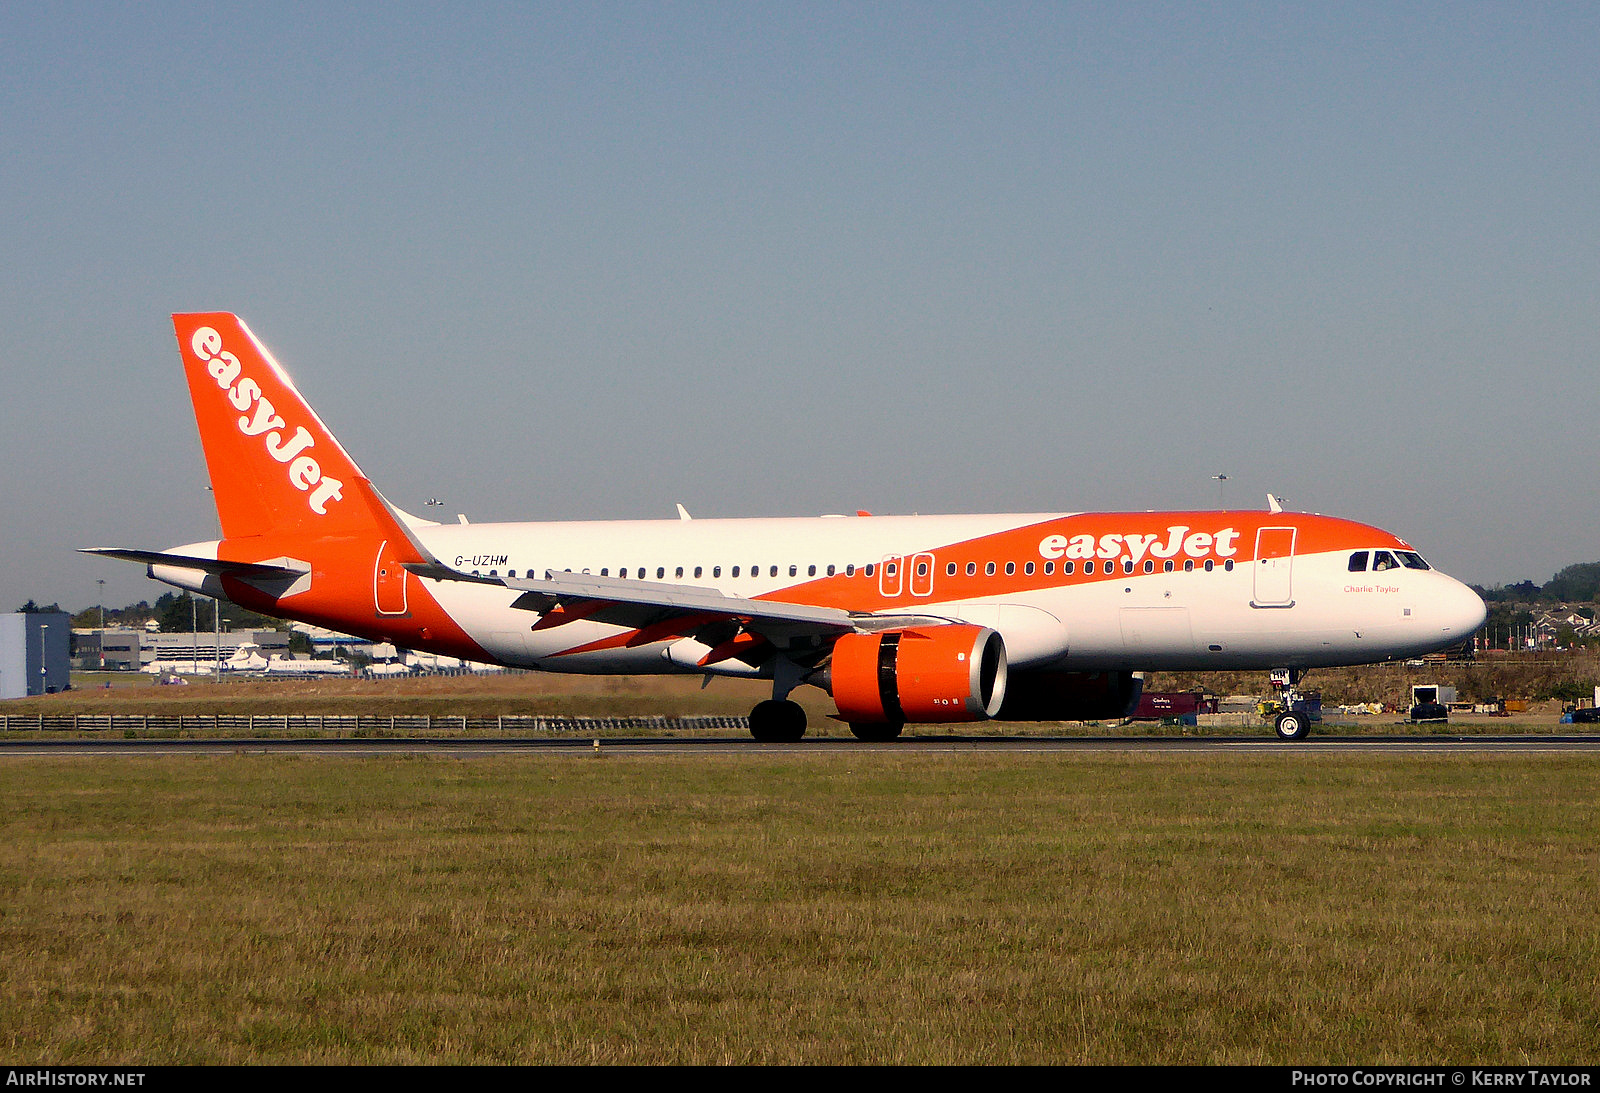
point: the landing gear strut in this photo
(778, 721)
(1293, 720)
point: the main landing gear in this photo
(778, 721)
(876, 730)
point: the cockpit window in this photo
(1412, 560)
(1382, 560)
(1358, 561)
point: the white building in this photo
(35, 654)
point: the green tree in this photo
(176, 612)
(1576, 582)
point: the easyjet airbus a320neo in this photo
(1041, 616)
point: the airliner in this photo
(900, 619)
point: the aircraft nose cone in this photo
(1463, 610)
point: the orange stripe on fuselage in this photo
(1064, 539)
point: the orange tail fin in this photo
(275, 467)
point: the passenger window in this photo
(1028, 569)
(890, 568)
(850, 570)
(697, 571)
(1228, 565)
(811, 571)
(1382, 560)
(830, 571)
(661, 572)
(605, 571)
(774, 572)
(794, 570)
(988, 570)
(1127, 565)
(950, 569)
(678, 572)
(1049, 568)
(1166, 567)
(922, 569)
(1011, 569)
(734, 572)
(1188, 565)
(1210, 565)
(1088, 567)
(1358, 562)
(870, 567)
(972, 568)
(716, 571)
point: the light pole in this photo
(101, 581)
(44, 680)
(1220, 479)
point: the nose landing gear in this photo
(1291, 711)
(1292, 726)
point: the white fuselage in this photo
(1196, 619)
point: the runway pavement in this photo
(736, 745)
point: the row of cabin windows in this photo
(1386, 559)
(951, 568)
(1149, 566)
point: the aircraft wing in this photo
(658, 610)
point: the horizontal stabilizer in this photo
(249, 570)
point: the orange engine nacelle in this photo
(924, 674)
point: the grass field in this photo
(869, 907)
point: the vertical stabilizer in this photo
(275, 467)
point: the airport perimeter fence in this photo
(355, 725)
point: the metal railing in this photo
(354, 725)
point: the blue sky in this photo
(586, 261)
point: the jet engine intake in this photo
(926, 674)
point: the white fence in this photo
(350, 725)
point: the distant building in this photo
(131, 650)
(323, 640)
(1548, 626)
(35, 653)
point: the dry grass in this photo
(492, 695)
(846, 908)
